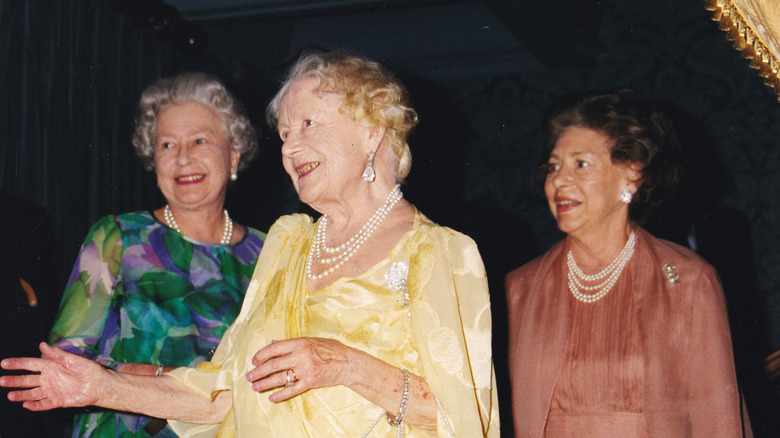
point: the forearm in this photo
(62, 379)
(383, 384)
(162, 397)
(141, 369)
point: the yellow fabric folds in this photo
(443, 336)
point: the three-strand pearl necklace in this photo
(610, 275)
(341, 254)
(227, 232)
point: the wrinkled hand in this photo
(316, 363)
(61, 379)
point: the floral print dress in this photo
(142, 292)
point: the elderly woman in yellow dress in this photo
(371, 321)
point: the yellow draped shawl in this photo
(444, 336)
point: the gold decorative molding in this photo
(754, 26)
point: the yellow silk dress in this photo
(443, 335)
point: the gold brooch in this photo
(671, 276)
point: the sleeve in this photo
(202, 379)
(86, 302)
(715, 405)
(451, 325)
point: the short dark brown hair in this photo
(641, 132)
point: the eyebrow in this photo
(194, 133)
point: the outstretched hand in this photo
(298, 365)
(60, 379)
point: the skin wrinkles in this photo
(582, 189)
(193, 161)
(193, 157)
(329, 144)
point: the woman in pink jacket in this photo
(614, 332)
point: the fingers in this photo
(288, 392)
(39, 405)
(282, 379)
(269, 367)
(274, 349)
(25, 381)
(33, 364)
(273, 358)
(274, 368)
(50, 352)
(287, 380)
(291, 378)
(33, 394)
(34, 399)
(297, 365)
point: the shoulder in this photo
(248, 248)
(445, 242)
(111, 227)
(541, 264)
(291, 223)
(255, 233)
(133, 220)
(104, 226)
(254, 237)
(682, 276)
(429, 230)
(672, 259)
(287, 228)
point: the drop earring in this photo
(369, 175)
(234, 175)
(626, 196)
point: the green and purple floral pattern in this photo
(142, 292)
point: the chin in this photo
(305, 196)
(566, 227)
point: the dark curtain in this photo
(70, 76)
(71, 72)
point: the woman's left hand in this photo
(298, 365)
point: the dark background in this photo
(481, 74)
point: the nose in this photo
(290, 146)
(183, 155)
(560, 178)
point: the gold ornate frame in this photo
(754, 26)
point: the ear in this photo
(374, 136)
(633, 174)
(235, 158)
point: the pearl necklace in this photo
(227, 233)
(611, 273)
(342, 253)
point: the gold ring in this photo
(291, 378)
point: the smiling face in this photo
(583, 184)
(193, 157)
(324, 149)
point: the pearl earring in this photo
(234, 175)
(369, 175)
(626, 196)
